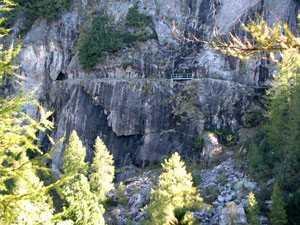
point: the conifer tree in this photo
(81, 204)
(24, 198)
(253, 210)
(278, 214)
(74, 156)
(175, 190)
(102, 170)
(36, 210)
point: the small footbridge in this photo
(182, 76)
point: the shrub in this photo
(253, 119)
(225, 136)
(136, 19)
(34, 9)
(99, 39)
(121, 194)
(128, 38)
(110, 202)
(252, 210)
(126, 64)
(198, 142)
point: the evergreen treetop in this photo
(74, 156)
(102, 170)
(278, 214)
(175, 190)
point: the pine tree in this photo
(175, 190)
(74, 156)
(102, 170)
(36, 210)
(23, 197)
(253, 210)
(278, 214)
(82, 206)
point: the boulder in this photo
(135, 202)
(232, 214)
(239, 186)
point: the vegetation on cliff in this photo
(31, 10)
(275, 151)
(103, 37)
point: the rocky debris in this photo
(231, 214)
(137, 196)
(224, 188)
(227, 189)
(124, 173)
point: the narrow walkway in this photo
(182, 76)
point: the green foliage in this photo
(24, 199)
(259, 159)
(252, 210)
(293, 208)
(110, 202)
(195, 178)
(102, 170)
(175, 190)
(197, 143)
(253, 118)
(225, 136)
(278, 214)
(74, 156)
(128, 38)
(136, 19)
(37, 209)
(104, 38)
(126, 64)
(179, 217)
(82, 206)
(99, 39)
(34, 9)
(81, 200)
(121, 194)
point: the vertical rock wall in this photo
(141, 115)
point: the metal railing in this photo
(182, 76)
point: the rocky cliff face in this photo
(137, 110)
